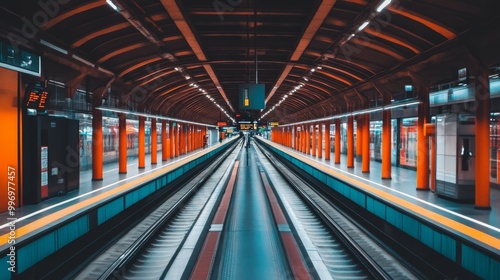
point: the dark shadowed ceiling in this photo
(185, 59)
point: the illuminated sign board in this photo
(252, 97)
(20, 60)
(274, 124)
(247, 125)
(221, 123)
(36, 97)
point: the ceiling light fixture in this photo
(113, 5)
(383, 5)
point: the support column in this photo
(327, 140)
(337, 141)
(154, 142)
(320, 140)
(97, 145)
(365, 165)
(142, 143)
(171, 137)
(350, 142)
(359, 138)
(422, 141)
(122, 144)
(386, 145)
(314, 137)
(175, 141)
(164, 146)
(482, 130)
(307, 148)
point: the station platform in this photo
(403, 185)
(28, 214)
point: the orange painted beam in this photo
(142, 143)
(365, 143)
(350, 142)
(122, 144)
(386, 145)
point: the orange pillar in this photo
(176, 140)
(190, 139)
(122, 144)
(365, 165)
(313, 139)
(327, 140)
(482, 129)
(97, 145)
(386, 144)
(142, 143)
(171, 137)
(154, 142)
(337, 141)
(164, 146)
(350, 142)
(307, 147)
(359, 137)
(320, 140)
(422, 141)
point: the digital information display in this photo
(247, 126)
(37, 99)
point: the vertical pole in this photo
(422, 140)
(350, 142)
(307, 148)
(171, 136)
(142, 143)
(164, 148)
(122, 144)
(337, 141)
(320, 140)
(359, 137)
(365, 165)
(97, 145)
(313, 139)
(386, 144)
(154, 142)
(482, 129)
(327, 140)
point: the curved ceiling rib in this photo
(217, 49)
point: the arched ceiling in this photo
(166, 56)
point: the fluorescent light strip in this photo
(356, 113)
(105, 71)
(363, 25)
(117, 110)
(383, 5)
(84, 61)
(54, 47)
(113, 5)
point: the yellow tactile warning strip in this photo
(438, 218)
(53, 217)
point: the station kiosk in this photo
(455, 156)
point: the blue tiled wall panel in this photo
(72, 231)
(109, 210)
(36, 251)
